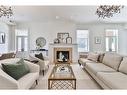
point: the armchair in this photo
(44, 64)
(25, 82)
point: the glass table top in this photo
(62, 71)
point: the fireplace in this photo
(62, 55)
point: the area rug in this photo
(84, 80)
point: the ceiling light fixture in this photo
(5, 11)
(107, 11)
(57, 17)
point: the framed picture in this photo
(62, 37)
(97, 40)
(2, 38)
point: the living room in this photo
(70, 41)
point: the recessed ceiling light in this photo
(71, 17)
(57, 17)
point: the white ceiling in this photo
(77, 14)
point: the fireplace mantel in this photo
(74, 47)
(63, 44)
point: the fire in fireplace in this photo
(62, 55)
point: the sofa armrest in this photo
(32, 57)
(33, 67)
(83, 55)
(7, 82)
(46, 58)
(42, 63)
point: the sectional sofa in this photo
(109, 69)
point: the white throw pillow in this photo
(93, 57)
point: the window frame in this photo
(22, 38)
(116, 37)
(87, 38)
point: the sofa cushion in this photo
(98, 67)
(93, 57)
(113, 60)
(114, 80)
(16, 70)
(83, 61)
(123, 66)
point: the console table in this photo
(40, 50)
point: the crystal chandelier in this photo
(5, 11)
(107, 11)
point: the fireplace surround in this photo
(74, 52)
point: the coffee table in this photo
(62, 77)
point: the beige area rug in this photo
(84, 80)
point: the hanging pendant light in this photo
(107, 11)
(6, 11)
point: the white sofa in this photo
(25, 82)
(111, 73)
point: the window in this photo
(111, 40)
(83, 40)
(21, 40)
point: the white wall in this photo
(123, 42)
(99, 30)
(11, 38)
(4, 29)
(48, 30)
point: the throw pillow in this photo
(40, 56)
(100, 58)
(93, 57)
(123, 66)
(21, 61)
(16, 70)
